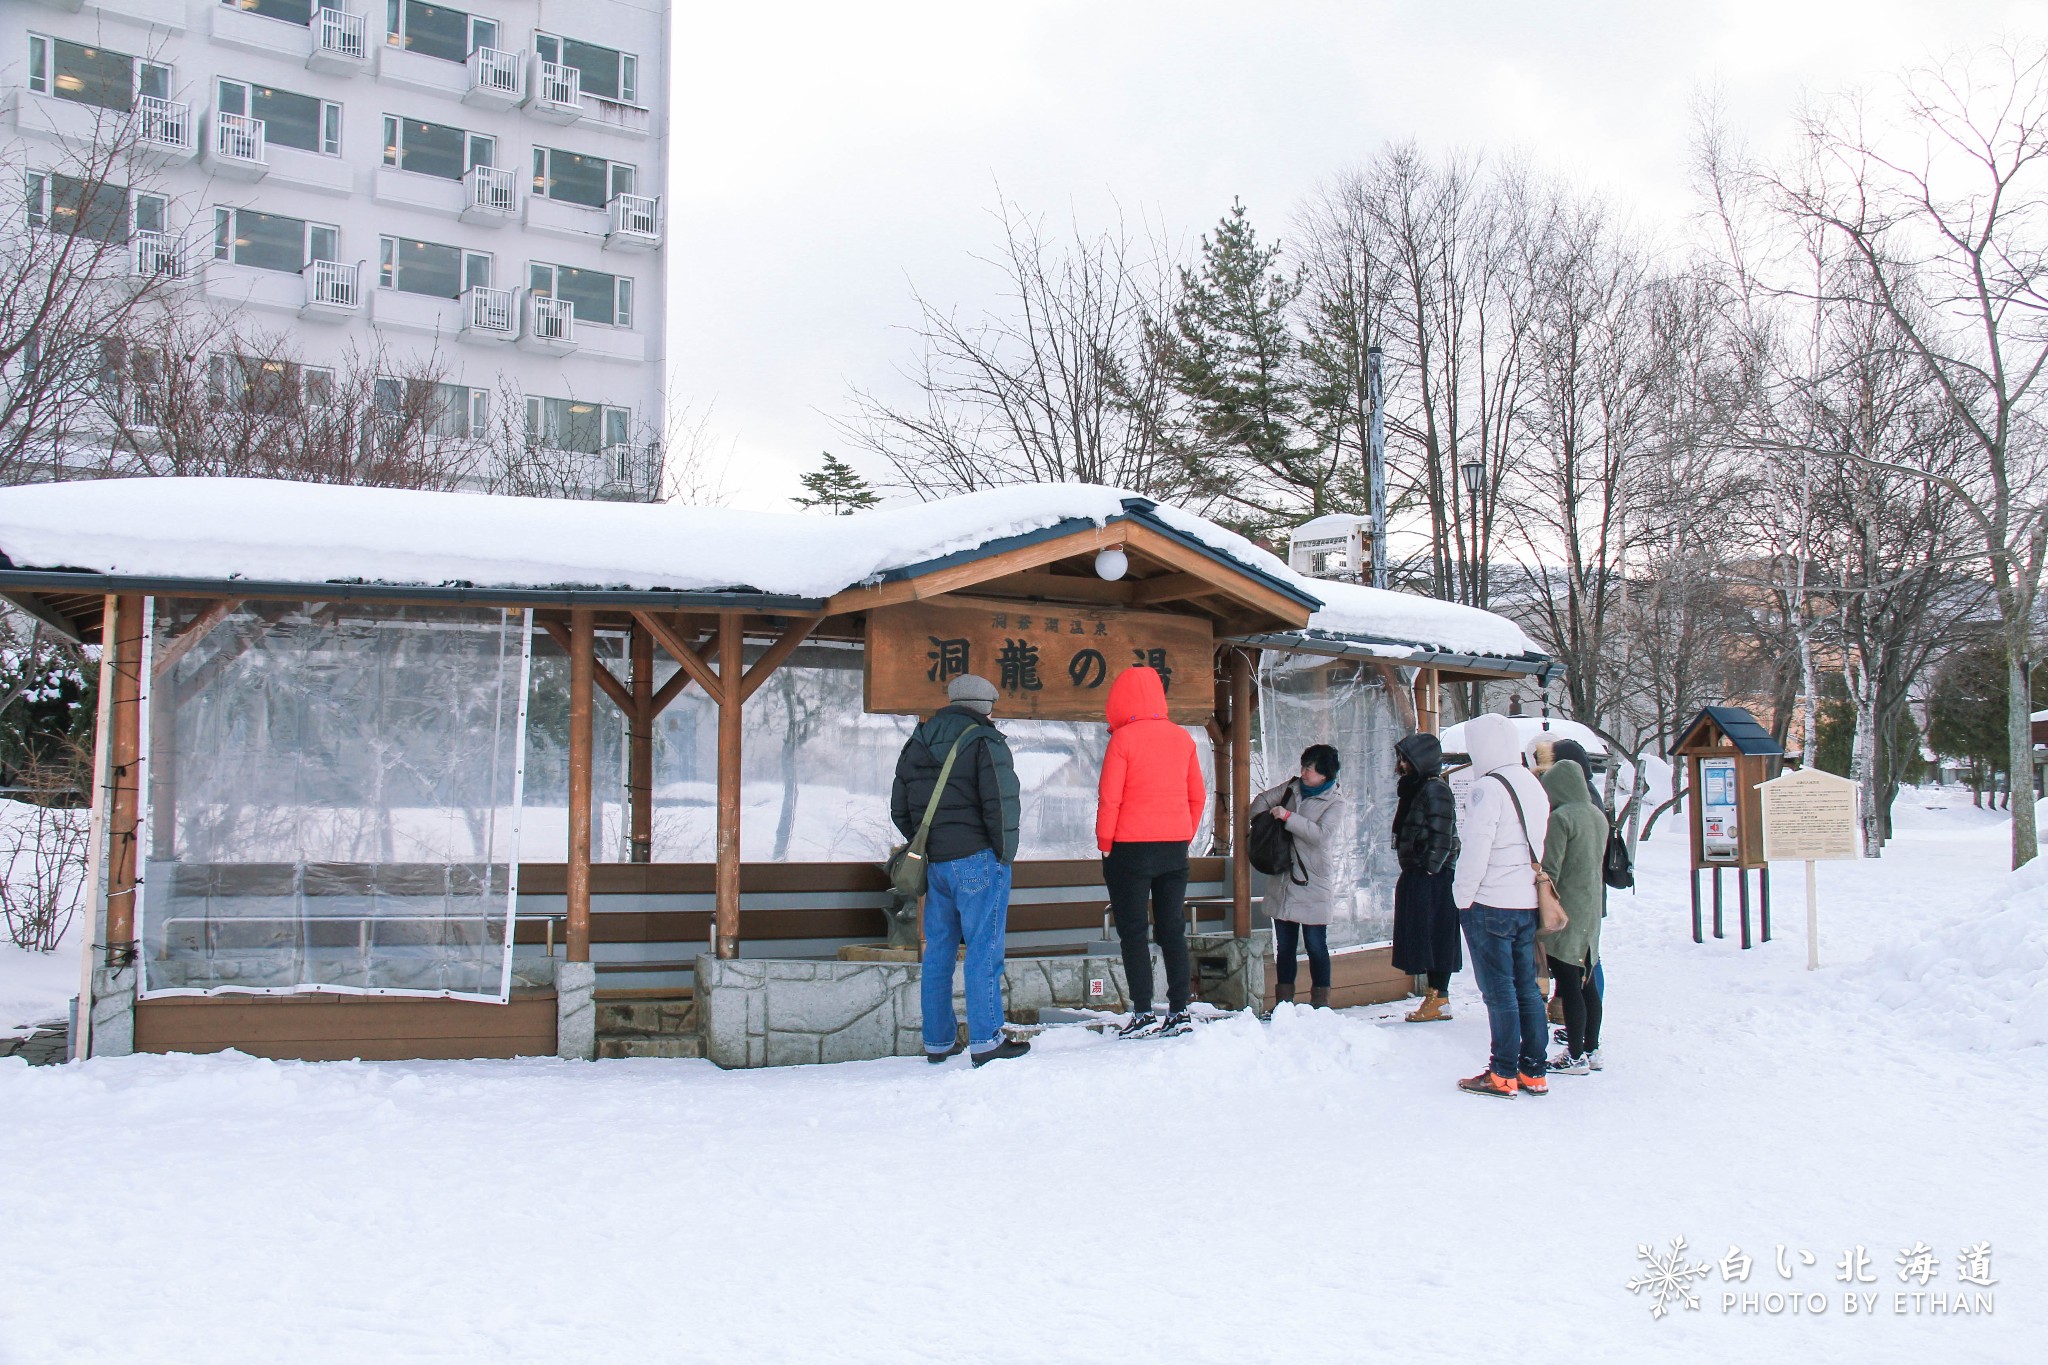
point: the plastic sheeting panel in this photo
(333, 801)
(1306, 700)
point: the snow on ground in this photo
(36, 988)
(1312, 1189)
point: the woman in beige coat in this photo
(1302, 901)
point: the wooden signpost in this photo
(1048, 662)
(1810, 816)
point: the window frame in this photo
(543, 179)
(467, 261)
(327, 125)
(40, 192)
(608, 415)
(473, 142)
(622, 292)
(629, 66)
(398, 32)
(473, 403)
(226, 232)
(249, 7)
(43, 77)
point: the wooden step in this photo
(621, 1045)
(653, 1018)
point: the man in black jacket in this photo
(973, 841)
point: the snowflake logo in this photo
(1668, 1278)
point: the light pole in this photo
(1473, 473)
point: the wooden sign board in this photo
(1048, 662)
(1810, 815)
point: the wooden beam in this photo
(640, 750)
(1402, 699)
(977, 571)
(1240, 791)
(32, 604)
(1238, 587)
(582, 669)
(678, 649)
(1060, 587)
(726, 899)
(670, 690)
(1220, 738)
(181, 644)
(600, 674)
(778, 653)
(1428, 701)
(1169, 587)
(126, 718)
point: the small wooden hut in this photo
(391, 774)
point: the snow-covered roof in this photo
(265, 530)
(1528, 729)
(1328, 526)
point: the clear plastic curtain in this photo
(816, 771)
(1303, 700)
(333, 798)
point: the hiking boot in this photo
(1176, 1024)
(1283, 994)
(1486, 1083)
(1319, 997)
(1141, 1025)
(1532, 1085)
(1435, 1008)
(1564, 1064)
(1009, 1047)
(937, 1057)
(1593, 1058)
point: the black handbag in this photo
(1616, 869)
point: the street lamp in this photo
(1473, 473)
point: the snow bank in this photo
(316, 533)
(1981, 979)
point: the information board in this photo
(1810, 816)
(1048, 662)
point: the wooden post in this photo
(1240, 791)
(731, 668)
(1220, 747)
(1428, 701)
(640, 761)
(127, 798)
(582, 666)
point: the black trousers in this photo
(1581, 1007)
(1155, 873)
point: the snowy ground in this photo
(1306, 1190)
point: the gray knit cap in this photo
(974, 692)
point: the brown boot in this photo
(1319, 997)
(1283, 993)
(1436, 1007)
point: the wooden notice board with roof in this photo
(1728, 756)
(1048, 661)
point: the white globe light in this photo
(1111, 565)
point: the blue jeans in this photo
(1502, 945)
(965, 898)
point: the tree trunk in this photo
(2020, 744)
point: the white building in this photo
(479, 191)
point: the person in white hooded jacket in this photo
(1495, 892)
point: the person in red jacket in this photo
(1150, 803)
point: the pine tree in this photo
(1234, 357)
(835, 487)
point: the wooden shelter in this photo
(1728, 757)
(1032, 607)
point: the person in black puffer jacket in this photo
(972, 842)
(1426, 842)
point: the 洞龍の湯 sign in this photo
(1047, 662)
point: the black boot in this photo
(1009, 1047)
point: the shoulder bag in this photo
(1550, 914)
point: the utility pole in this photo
(1376, 463)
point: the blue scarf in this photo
(1307, 791)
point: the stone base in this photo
(576, 1011)
(1230, 972)
(113, 1011)
(768, 1012)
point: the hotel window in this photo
(604, 72)
(67, 205)
(437, 30)
(93, 75)
(271, 241)
(573, 425)
(596, 296)
(312, 125)
(575, 178)
(430, 268)
(434, 148)
(451, 410)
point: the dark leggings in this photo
(1440, 982)
(1154, 876)
(1314, 937)
(1581, 1007)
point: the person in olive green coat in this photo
(1573, 847)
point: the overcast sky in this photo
(827, 155)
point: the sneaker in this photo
(1593, 1059)
(1559, 1036)
(937, 1057)
(1141, 1025)
(1564, 1064)
(1486, 1083)
(1176, 1024)
(1009, 1047)
(1532, 1085)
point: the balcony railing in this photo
(332, 284)
(628, 471)
(164, 126)
(557, 88)
(157, 255)
(238, 138)
(495, 74)
(339, 34)
(636, 216)
(490, 189)
(551, 321)
(490, 312)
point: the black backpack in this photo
(1270, 846)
